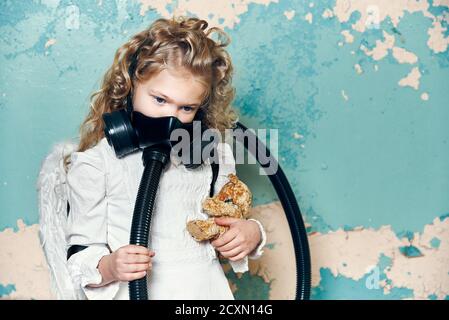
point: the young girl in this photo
(179, 71)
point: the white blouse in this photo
(102, 194)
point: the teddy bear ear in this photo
(233, 178)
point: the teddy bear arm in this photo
(205, 229)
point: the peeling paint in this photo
(375, 12)
(309, 17)
(289, 14)
(353, 262)
(26, 269)
(50, 42)
(437, 41)
(380, 51)
(349, 38)
(327, 14)
(404, 56)
(223, 13)
(412, 79)
(384, 9)
(354, 252)
(424, 96)
(358, 68)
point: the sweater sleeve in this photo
(87, 222)
(258, 252)
(227, 165)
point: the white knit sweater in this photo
(102, 190)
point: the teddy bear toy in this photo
(234, 201)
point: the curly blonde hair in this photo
(179, 42)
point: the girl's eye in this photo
(187, 108)
(159, 100)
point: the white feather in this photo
(52, 199)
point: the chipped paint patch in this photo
(26, 269)
(268, 267)
(309, 17)
(361, 250)
(437, 41)
(412, 79)
(404, 261)
(50, 42)
(380, 51)
(327, 14)
(403, 56)
(355, 253)
(374, 12)
(289, 14)
(349, 38)
(223, 13)
(424, 96)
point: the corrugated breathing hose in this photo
(154, 161)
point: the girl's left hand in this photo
(242, 238)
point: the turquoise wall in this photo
(359, 148)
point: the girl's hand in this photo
(242, 238)
(130, 262)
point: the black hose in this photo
(154, 161)
(293, 214)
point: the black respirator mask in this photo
(128, 131)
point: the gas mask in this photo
(128, 131)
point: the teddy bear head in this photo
(234, 200)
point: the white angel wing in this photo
(52, 197)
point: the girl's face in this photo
(169, 93)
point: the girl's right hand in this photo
(130, 262)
